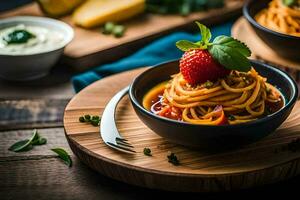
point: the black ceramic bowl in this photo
(207, 136)
(284, 45)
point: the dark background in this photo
(9, 4)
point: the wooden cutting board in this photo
(254, 165)
(91, 47)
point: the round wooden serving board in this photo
(254, 165)
(242, 31)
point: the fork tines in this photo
(122, 145)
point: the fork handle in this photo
(108, 115)
(112, 106)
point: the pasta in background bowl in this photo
(281, 17)
(276, 24)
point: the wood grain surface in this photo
(90, 47)
(253, 165)
(38, 113)
(39, 174)
(244, 32)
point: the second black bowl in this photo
(284, 45)
(207, 136)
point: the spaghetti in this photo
(281, 18)
(239, 97)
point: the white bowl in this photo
(24, 67)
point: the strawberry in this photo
(208, 61)
(198, 66)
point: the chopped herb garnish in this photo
(118, 31)
(81, 119)
(18, 37)
(208, 84)
(147, 151)
(93, 120)
(63, 154)
(87, 117)
(172, 158)
(108, 28)
(42, 141)
(26, 145)
(95, 117)
(231, 117)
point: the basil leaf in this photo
(233, 43)
(39, 141)
(185, 45)
(35, 140)
(230, 53)
(42, 141)
(205, 34)
(23, 145)
(63, 155)
(18, 146)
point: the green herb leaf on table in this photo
(93, 120)
(147, 152)
(172, 158)
(87, 117)
(42, 141)
(63, 154)
(24, 145)
(38, 140)
(108, 28)
(81, 119)
(118, 31)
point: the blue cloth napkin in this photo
(161, 50)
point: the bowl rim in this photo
(250, 19)
(288, 104)
(68, 31)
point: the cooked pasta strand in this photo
(280, 18)
(244, 94)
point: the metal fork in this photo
(108, 129)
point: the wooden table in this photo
(38, 174)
